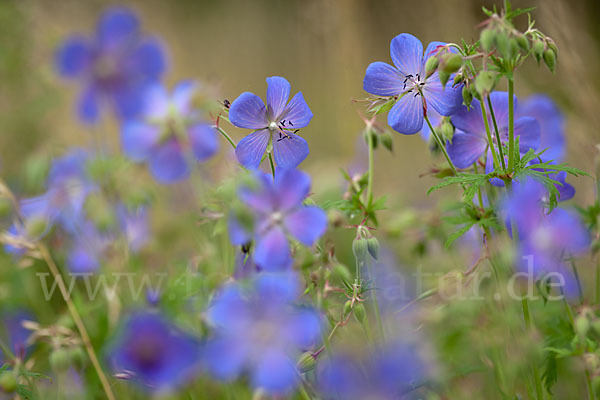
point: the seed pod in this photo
(373, 247)
(538, 50)
(447, 130)
(307, 362)
(486, 39)
(484, 83)
(60, 360)
(386, 140)
(431, 65)
(458, 78)
(467, 96)
(444, 76)
(550, 59)
(359, 312)
(582, 326)
(347, 308)
(503, 45)
(522, 41)
(8, 382)
(451, 62)
(342, 272)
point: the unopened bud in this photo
(373, 247)
(60, 360)
(467, 96)
(550, 59)
(444, 76)
(522, 41)
(484, 83)
(342, 272)
(307, 362)
(8, 382)
(458, 78)
(582, 326)
(387, 141)
(359, 312)
(451, 62)
(347, 308)
(538, 50)
(431, 65)
(486, 39)
(447, 131)
(360, 248)
(503, 45)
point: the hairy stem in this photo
(500, 150)
(511, 125)
(226, 136)
(440, 144)
(370, 174)
(488, 132)
(536, 373)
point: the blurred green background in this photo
(321, 47)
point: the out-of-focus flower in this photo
(15, 334)
(470, 139)
(262, 330)
(167, 130)
(552, 125)
(89, 245)
(114, 66)
(153, 352)
(276, 123)
(135, 226)
(407, 81)
(390, 372)
(545, 240)
(278, 213)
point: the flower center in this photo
(284, 128)
(414, 83)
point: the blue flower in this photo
(114, 66)
(168, 127)
(545, 240)
(552, 125)
(15, 334)
(134, 225)
(261, 330)
(391, 372)
(470, 142)
(279, 213)
(276, 123)
(406, 80)
(88, 247)
(154, 353)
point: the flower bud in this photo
(386, 140)
(431, 65)
(373, 247)
(522, 41)
(347, 308)
(552, 46)
(447, 130)
(444, 76)
(503, 45)
(538, 50)
(550, 59)
(78, 357)
(8, 382)
(60, 360)
(486, 39)
(484, 83)
(458, 78)
(342, 272)
(467, 96)
(451, 62)
(36, 227)
(359, 312)
(307, 362)
(582, 326)
(359, 248)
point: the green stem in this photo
(370, 174)
(497, 132)
(597, 282)
(489, 135)
(303, 393)
(441, 146)
(226, 136)
(511, 125)
(539, 390)
(272, 164)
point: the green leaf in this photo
(455, 235)
(384, 107)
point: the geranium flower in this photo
(552, 125)
(276, 123)
(167, 130)
(114, 66)
(278, 212)
(153, 352)
(15, 334)
(261, 330)
(406, 80)
(470, 139)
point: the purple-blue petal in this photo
(406, 116)
(292, 187)
(138, 139)
(445, 100)
(204, 141)
(249, 150)
(432, 48)
(248, 111)
(238, 234)
(116, 26)
(73, 57)
(297, 112)
(275, 373)
(407, 54)
(278, 92)
(305, 328)
(552, 124)
(272, 250)
(469, 120)
(466, 148)
(307, 224)
(290, 151)
(183, 95)
(528, 131)
(88, 108)
(148, 61)
(82, 259)
(167, 162)
(381, 79)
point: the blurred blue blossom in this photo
(546, 240)
(15, 334)
(261, 330)
(168, 128)
(278, 211)
(407, 81)
(154, 353)
(470, 139)
(114, 66)
(276, 124)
